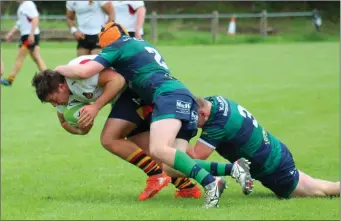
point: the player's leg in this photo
(286, 181)
(185, 187)
(113, 139)
(239, 170)
(35, 53)
(122, 122)
(82, 47)
(95, 51)
(95, 48)
(168, 109)
(22, 53)
(308, 186)
(2, 68)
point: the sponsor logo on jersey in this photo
(88, 95)
(183, 107)
(222, 104)
(266, 137)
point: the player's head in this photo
(204, 111)
(111, 32)
(51, 87)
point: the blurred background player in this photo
(27, 24)
(131, 15)
(91, 15)
(2, 68)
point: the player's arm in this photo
(35, 23)
(108, 9)
(89, 69)
(199, 151)
(140, 15)
(71, 129)
(112, 84)
(70, 19)
(12, 31)
(206, 144)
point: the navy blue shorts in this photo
(126, 107)
(284, 179)
(24, 42)
(90, 42)
(177, 106)
(129, 107)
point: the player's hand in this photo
(8, 36)
(78, 35)
(138, 34)
(88, 114)
(85, 130)
(30, 39)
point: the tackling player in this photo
(233, 132)
(126, 114)
(174, 118)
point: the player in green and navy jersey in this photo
(233, 132)
(174, 118)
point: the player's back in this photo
(141, 65)
(244, 137)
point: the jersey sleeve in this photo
(107, 56)
(69, 6)
(211, 136)
(136, 4)
(31, 10)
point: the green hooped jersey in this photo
(234, 133)
(142, 66)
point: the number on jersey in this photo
(247, 114)
(157, 57)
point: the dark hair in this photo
(46, 82)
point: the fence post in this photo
(215, 25)
(264, 24)
(153, 27)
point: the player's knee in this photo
(156, 151)
(107, 142)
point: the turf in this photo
(291, 89)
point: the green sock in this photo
(216, 169)
(187, 166)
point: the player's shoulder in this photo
(28, 4)
(82, 59)
(122, 41)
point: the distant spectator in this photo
(317, 20)
(131, 15)
(27, 23)
(91, 15)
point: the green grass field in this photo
(291, 89)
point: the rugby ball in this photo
(72, 112)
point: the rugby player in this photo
(174, 117)
(90, 16)
(28, 25)
(124, 120)
(233, 132)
